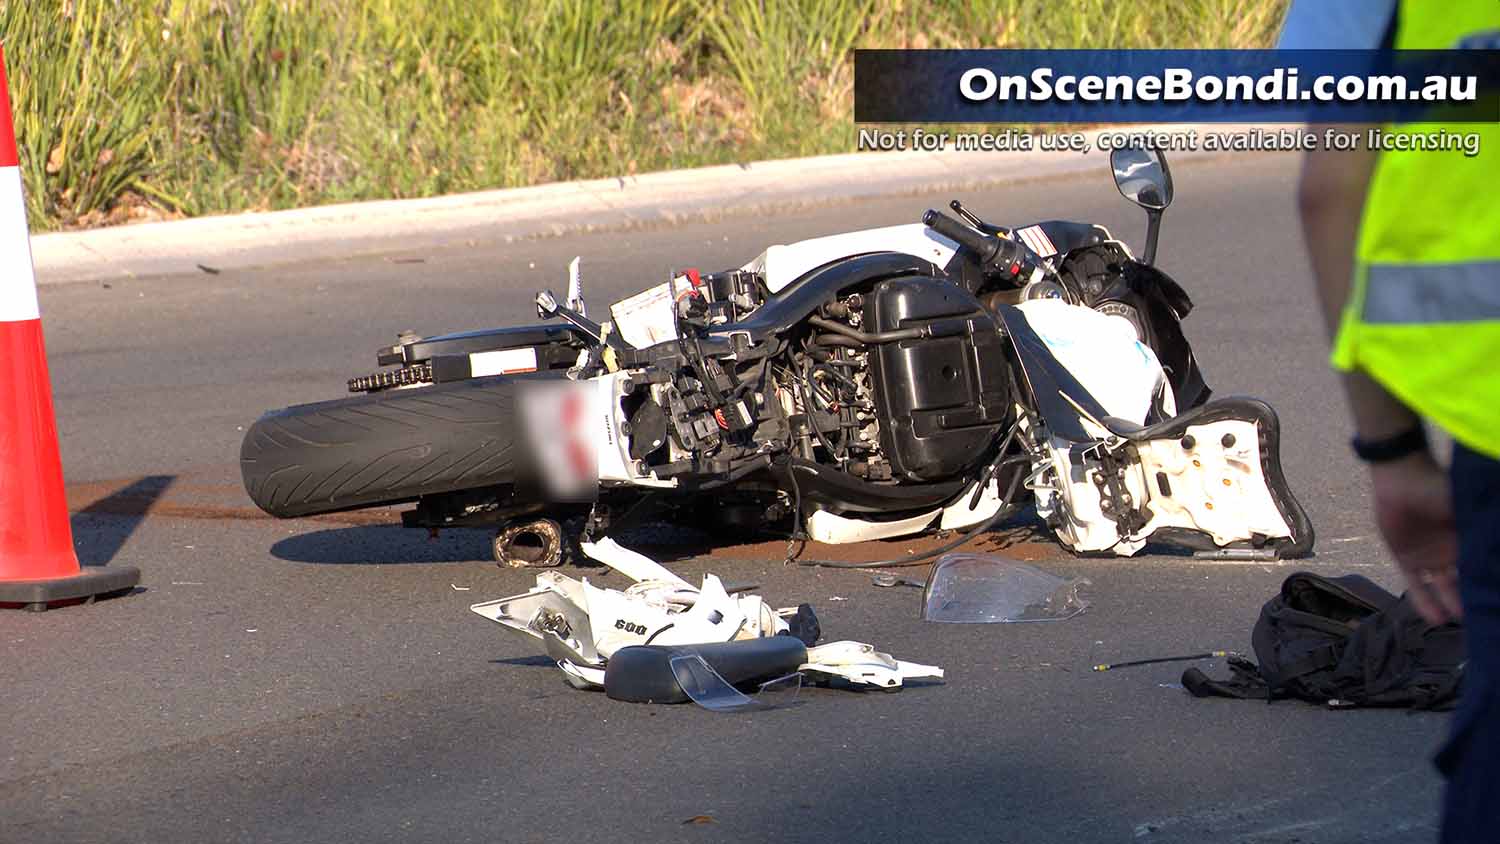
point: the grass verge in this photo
(142, 109)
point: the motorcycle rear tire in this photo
(383, 448)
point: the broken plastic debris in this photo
(885, 580)
(861, 664)
(660, 608)
(632, 564)
(707, 688)
(457, 588)
(969, 588)
(581, 626)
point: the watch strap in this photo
(1386, 449)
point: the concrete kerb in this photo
(275, 238)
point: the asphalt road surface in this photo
(322, 680)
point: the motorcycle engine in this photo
(935, 401)
(907, 382)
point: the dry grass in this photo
(131, 109)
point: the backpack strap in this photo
(1318, 659)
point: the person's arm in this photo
(1331, 197)
(1413, 507)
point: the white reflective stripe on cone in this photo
(17, 280)
(1423, 294)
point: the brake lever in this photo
(966, 214)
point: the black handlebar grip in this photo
(1008, 252)
(982, 244)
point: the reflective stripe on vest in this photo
(1412, 294)
(1423, 317)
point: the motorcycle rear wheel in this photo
(383, 448)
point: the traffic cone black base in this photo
(89, 584)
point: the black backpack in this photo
(1343, 642)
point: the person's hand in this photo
(1414, 510)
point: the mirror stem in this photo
(1153, 229)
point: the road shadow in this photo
(530, 661)
(103, 527)
(384, 545)
(1022, 536)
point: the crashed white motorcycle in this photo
(873, 384)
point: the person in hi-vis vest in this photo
(1405, 246)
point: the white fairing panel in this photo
(862, 664)
(1217, 489)
(833, 529)
(780, 265)
(1221, 490)
(959, 514)
(614, 463)
(614, 452)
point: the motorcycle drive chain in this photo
(406, 376)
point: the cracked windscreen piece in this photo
(707, 688)
(970, 588)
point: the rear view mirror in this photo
(1142, 177)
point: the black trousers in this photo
(1471, 758)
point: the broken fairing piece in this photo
(632, 564)
(595, 622)
(590, 623)
(581, 625)
(701, 683)
(969, 588)
(580, 676)
(861, 664)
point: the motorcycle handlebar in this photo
(980, 243)
(995, 253)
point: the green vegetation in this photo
(130, 109)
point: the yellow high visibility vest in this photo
(1424, 315)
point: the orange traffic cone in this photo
(37, 564)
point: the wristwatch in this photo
(1404, 444)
